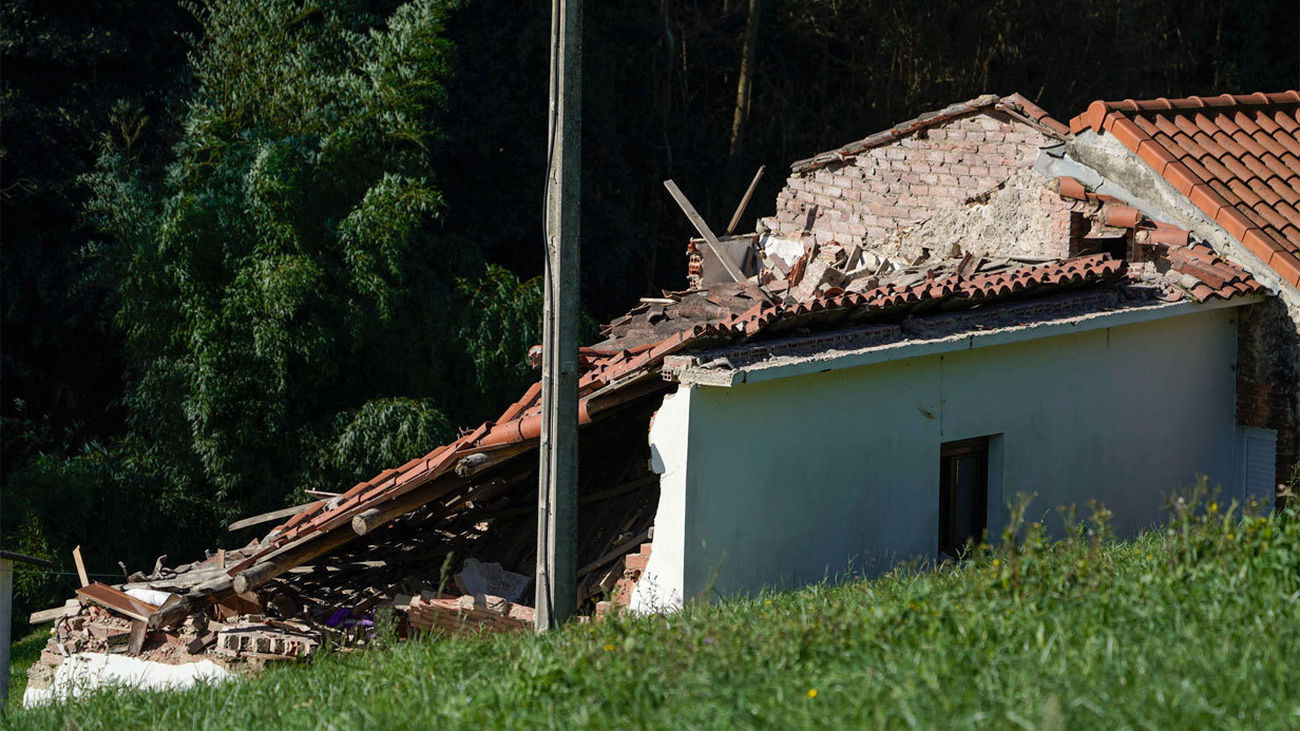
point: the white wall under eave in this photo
(793, 480)
(660, 586)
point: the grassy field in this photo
(22, 654)
(1191, 627)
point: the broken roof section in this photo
(616, 375)
(1014, 105)
(1236, 157)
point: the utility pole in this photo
(557, 489)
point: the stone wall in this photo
(1268, 377)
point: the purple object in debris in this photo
(338, 617)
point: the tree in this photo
(287, 299)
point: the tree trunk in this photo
(746, 78)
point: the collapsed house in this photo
(976, 303)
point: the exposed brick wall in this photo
(905, 182)
(1268, 378)
(634, 564)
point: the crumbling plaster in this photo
(792, 480)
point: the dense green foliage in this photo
(1189, 627)
(253, 246)
(286, 249)
(292, 315)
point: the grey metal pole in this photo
(557, 494)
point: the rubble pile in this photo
(457, 565)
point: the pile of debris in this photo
(461, 563)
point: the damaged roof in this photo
(1014, 104)
(614, 375)
(1189, 269)
(1236, 157)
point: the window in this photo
(963, 494)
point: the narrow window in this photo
(963, 494)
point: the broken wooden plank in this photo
(81, 567)
(139, 628)
(295, 553)
(744, 202)
(118, 601)
(180, 581)
(371, 519)
(615, 553)
(68, 609)
(199, 644)
(705, 231)
(268, 517)
(171, 615)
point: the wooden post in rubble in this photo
(557, 494)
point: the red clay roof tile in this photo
(1238, 160)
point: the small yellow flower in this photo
(1214, 507)
(997, 562)
(767, 602)
(812, 692)
(607, 648)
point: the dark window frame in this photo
(952, 534)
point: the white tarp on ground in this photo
(86, 671)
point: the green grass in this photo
(23, 653)
(1193, 627)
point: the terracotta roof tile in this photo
(1237, 157)
(1216, 276)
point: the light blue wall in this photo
(794, 479)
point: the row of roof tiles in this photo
(1209, 275)
(1236, 157)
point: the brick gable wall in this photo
(941, 169)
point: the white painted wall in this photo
(660, 585)
(791, 480)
